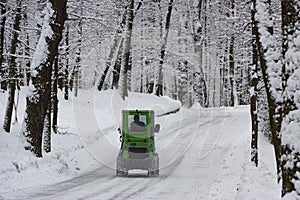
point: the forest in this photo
(217, 53)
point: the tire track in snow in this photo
(192, 166)
(67, 186)
(137, 186)
(97, 184)
(124, 194)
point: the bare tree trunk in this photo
(159, 85)
(275, 115)
(221, 86)
(2, 31)
(142, 74)
(231, 70)
(78, 54)
(117, 67)
(225, 79)
(66, 92)
(254, 82)
(129, 70)
(204, 56)
(103, 76)
(198, 48)
(12, 69)
(54, 96)
(38, 98)
(47, 129)
(233, 92)
(76, 77)
(126, 50)
(27, 65)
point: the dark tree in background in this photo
(12, 68)
(159, 85)
(3, 4)
(127, 49)
(253, 90)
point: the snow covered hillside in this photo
(204, 154)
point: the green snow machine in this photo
(138, 143)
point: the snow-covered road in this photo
(200, 154)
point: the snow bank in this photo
(83, 122)
(21, 169)
(88, 130)
(260, 183)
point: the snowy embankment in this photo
(82, 122)
(204, 154)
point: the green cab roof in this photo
(131, 112)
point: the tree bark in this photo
(126, 50)
(159, 85)
(47, 129)
(2, 31)
(253, 84)
(54, 96)
(117, 67)
(225, 78)
(66, 92)
(78, 53)
(12, 69)
(231, 70)
(233, 92)
(41, 66)
(274, 113)
(27, 65)
(198, 37)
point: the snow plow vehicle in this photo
(138, 143)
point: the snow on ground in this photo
(204, 154)
(70, 156)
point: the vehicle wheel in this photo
(154, 173)
(151, 173)
(121, 173)
(154, 170)
(156, 159)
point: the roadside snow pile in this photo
(160, 105)
(82, 123)
(20, 169)
(104, 109)
(260, 182)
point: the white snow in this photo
(204, 154)
(41, 52)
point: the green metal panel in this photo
(143, 139)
